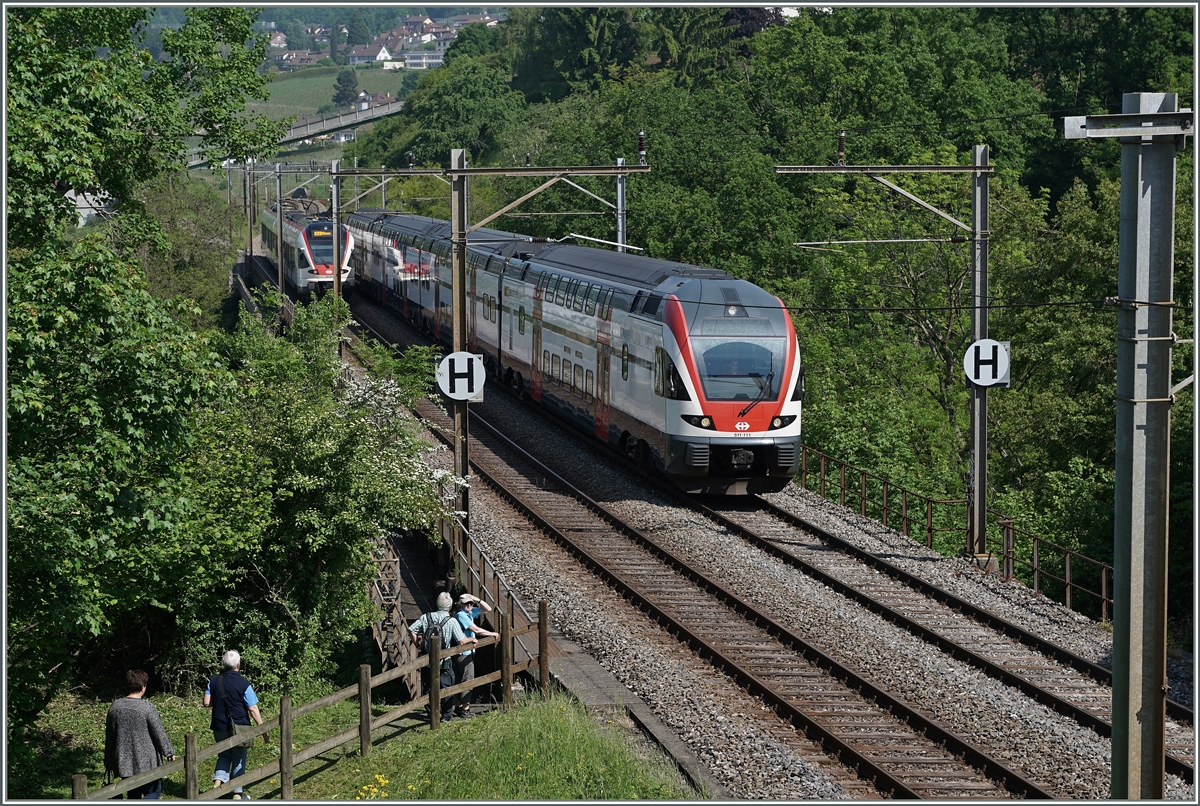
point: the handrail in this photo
(879, 502)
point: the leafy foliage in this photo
(346, 87)
(102, 386)
(88, 110)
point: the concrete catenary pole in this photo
(1144, 339)
(977, 539)
(458, 312)
(335, 210)
(279, 224)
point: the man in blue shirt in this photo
(232, 700)
(464, 664)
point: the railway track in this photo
(1047, 673)
(904, 752)
(788, 673)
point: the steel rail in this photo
(1175, 709)
(1174, 765)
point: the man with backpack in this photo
(431, 627)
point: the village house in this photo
(279, 40)
(459, 20)
(365, 54)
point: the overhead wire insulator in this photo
(527, 161)
(841, 147)
(641, 146)
(412, 160)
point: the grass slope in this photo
(305, 91)
(539, 751)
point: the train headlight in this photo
(782, 421)
(699, 420)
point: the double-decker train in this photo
(307, 249)
(687, 370)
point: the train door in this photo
(603, 363)
(535, 359)
(501, 315)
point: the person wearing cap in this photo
(464, 665)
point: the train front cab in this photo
(740, 431)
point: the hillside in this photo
(305, 91)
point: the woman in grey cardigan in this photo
(134, 738)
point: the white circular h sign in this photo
(986, 363)
(460, 376)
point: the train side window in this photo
(637, 300)
(588, 384)
(593, 295)
(624, 362)
(566, 373)
(555, 281)
(660, 372)
(521, 321)
(560, 296)
(545, 362)
(606, 305)
(580, 295)
(578, 379)
(555, 367)
(651, 306)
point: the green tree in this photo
(90, 111)
(556, 49)
(102, 384)
(358, 31)
(284, 524)
(473, 40)
(693, 42)
(345, 90)
(466, 105)
(198, 253)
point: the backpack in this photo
(438, 628)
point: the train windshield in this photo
(320, 242)
(742, 368)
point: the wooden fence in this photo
(288, 759)
(912, 514)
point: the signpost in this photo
(461, 376)
(986, 363)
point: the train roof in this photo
(635, 270)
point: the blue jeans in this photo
(231, 763)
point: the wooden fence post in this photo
(191, 765)
(543, 647)
(862, 494)
(79, 786)
(506, 658)
(842, 484)
(929, 522)
(435, 682)
(822, 475)
(285, 747)
(364, 710)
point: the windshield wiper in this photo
(764, 389)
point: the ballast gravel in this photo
(715, 717)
